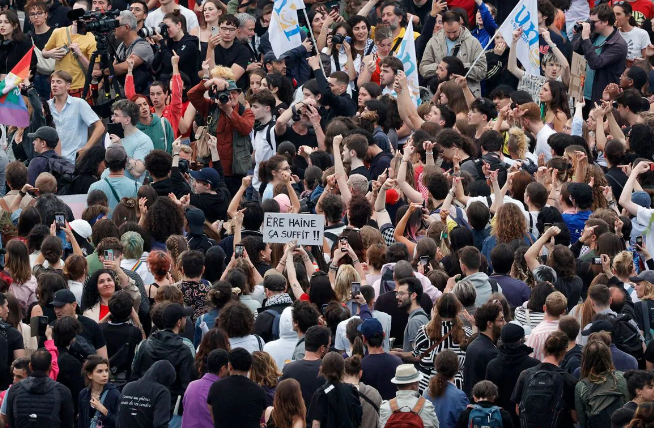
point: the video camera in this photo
(161, 29)
(94, 21)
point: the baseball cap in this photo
(274, 281)
(208, 175)
(81, 227)
(46, 133)
(115, 153)
(270, 56)
(641, 198)
(646, 275)
(63, 297)
(195, 218)
(582, 194)
(370, 327)
(597, 326)
(521, 97)
(175, 312)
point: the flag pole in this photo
(483, 51)
(313, 39)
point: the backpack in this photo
(81, 348)
(490, 417)
(63, 171)
(4, 345)
(542, 399)
(494, 285)
(495, 164)
(410, 419)
(601, 400)
(387, 282)
(627, 337)
(275, 325)
(459, 216)
(647, 327)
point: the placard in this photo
(306, 229)
(532, 84)
(577, 76)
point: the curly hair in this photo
(214, 339)
(169, 293)
(509, 224)
(264, 371)
(159, 264)
(90, 295)
(164, 218)
(447, 307)
(517, 142)
(48, 205)
(236, 319)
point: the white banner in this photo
(306, 229)
(525, 16)
(407, 54)
(284, 26)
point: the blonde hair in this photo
(46, 183)
(517, 142)
(623, 264)
(556, 304)
(224, 72)
(345, 276)
(648, 293)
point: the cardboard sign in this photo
(532, 84)
(577, 76)
(306, 229)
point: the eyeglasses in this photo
(228, 29)
(35, 14)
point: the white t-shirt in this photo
(156, 17)
(262, 149)
(644, 217)
(541, 142)
(637, 39)
(507, 200)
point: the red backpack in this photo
(400, 419)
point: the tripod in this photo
(106, 61)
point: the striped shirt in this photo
(527, 317)
(539, 335)
(426, 364)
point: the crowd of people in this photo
(485, 260)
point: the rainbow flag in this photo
(13, 111)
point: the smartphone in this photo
(424, 260)
(66, 48)
(60, 220)
(391, 341)
(343, 240)
(324, 307)
(238, 250)
(336, 8)
(185, 141)
(117, 129)
(356, 288)
(109, 255)
(546, 226)
(38, 326)
(639, 241)
(215, 31)
(597, 261)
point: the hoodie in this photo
(146, 403)
(482, 287)
(111, 402)
(264, 324)
(32, 402)
(175, 183)
(281, 350)
(166, 345)
(504, 371)
(189, 58)
(162, 139)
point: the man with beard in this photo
(246, 35)
(505, 369)
(392, 15)
(409, 294)
(388, 68)
(489, 319)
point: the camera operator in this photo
(185, 45)
(231, 119)
(72, 51)
(600, 42)
(140, 10)
(135, 46)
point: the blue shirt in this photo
(123, 186)
(450, 44)
(590, 73)
(72, 125)
(449, 405)
(576, 223)
(137, 146)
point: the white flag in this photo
(284, 26)
(524, 15)
(407, 54)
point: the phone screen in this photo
(238, 250)
(639, 240)
(109, 255)
(343, 240)
(597, 261)
(185, 141)
(356, 288)
(424, 260)
(60, 220)
(546, 226)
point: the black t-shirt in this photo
(362, 170)
(236, 401)
(306, 373)
(118, 335)
(14, 343)
(236, 54)
(309, 139)
(91, 331)
(569, 383)
(378, 370)
(40, 40)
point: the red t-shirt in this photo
(467, 5)
(104, 310)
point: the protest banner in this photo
(577, 76)
(306, 229)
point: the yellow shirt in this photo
(68, 63)
(396, 40)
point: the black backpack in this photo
(627, 337)
(387, 282)
(4, 346)
(63, 171)
(542, 399)
(495, 164)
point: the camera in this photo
(579, 27)
(161, 29)
(221, 96)
(94, 21)
(337, 39)
(184, 167)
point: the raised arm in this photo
(407, 189)
(232, 209)
(512, 66)
(405, 105)
(368, 7)
(563, 61)
(401, 227)
(625, 196)
(533, 253)
(341, 176)
(380, 202)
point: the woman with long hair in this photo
(644, 416)
(76, 271)
(450, 94)
(288, 409)
(444, 331)
(531, 313)
(644, 292)
(214, 339)
(630, 31)
(14, 44)
(163, 219)
(264, 372)
(99, 401)
(282, 90)
(368, 91)
(255, 77)
(554, 101)
(323, 410)
(50, 257)
(509, 224)
(410, 226)
(370, 399)
(48, 284)
(274, 171)
(17, 265)
(88, 170)
(100, 287)
(212, 10)
(448, 400)
(175, 245)
(345, 276)
(597, 369)
(14, 318)
(219, 295)
(179, 41)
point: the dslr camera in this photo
(221, 96)
(95, 21)
(579, 27)
(161, 29)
